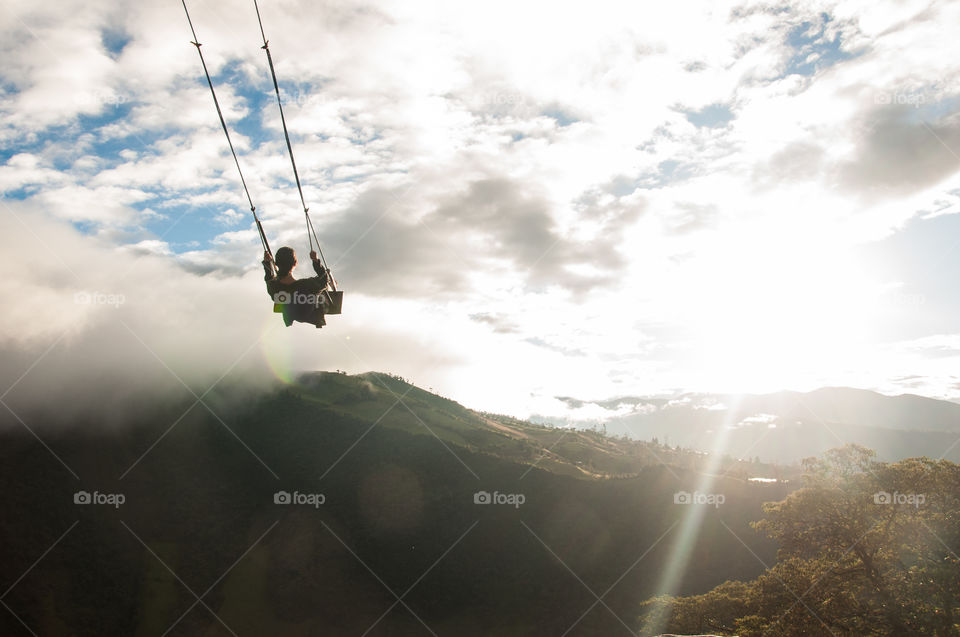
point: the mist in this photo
(95, 332)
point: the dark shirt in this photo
(301, 300)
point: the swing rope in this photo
(195, 42)
(311, 232)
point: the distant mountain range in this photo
(788, 426)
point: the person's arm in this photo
(322, 272)
(269, 273)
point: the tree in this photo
(865, 548)
(715, 611)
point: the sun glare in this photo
(775, 318)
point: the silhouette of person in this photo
(301, 299)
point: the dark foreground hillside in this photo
(190, 528)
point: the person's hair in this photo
(285, 259)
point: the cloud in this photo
(101, 321)
(94, 332)
(515, 224)
(937, 345)
(382, 248)
(900, 153)
(485, 186)
(566, 411)
(490, 226)
(692, 217)
(510, 224)
(770, 420)
(797, 162)
(500, 323)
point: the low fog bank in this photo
(67, 389)
(92, 332)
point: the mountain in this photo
(344, 504)
(789, 426)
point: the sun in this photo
(781, 318)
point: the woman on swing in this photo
(301, 299)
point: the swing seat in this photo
(332, 301)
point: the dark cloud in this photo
(573, 403)
(384, 246)
(516, 224)
(612, 404)
(509, 223)
(899, 153)
(378, 246)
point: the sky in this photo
(520, 201)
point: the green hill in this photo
(398, 544)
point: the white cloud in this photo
(757, 419)
(533, 166)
